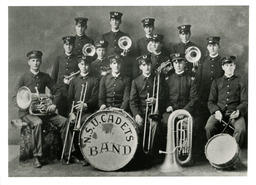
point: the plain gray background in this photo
(43, 27)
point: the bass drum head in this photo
(221, 149)
(108, 139)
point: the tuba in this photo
(36, 103)
(150, 47)
(193, 55)
(125, 44)
(89, 50)
(179, 141)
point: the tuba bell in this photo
(89, 50)
(35, 103)
(179, 141)
(193, 55)
(150, 47)
(125, 44)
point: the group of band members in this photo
(210, 94)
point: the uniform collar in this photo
(34, 73)
(180, 74)
(214, 56)
(146, 77)
(84, 76)
(115, 31)
(227, 78)
(115, 76)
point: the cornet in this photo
(125, 44)
(89, 50)
(179, 141)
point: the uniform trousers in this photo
(213, 126)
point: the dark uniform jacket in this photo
(142, 44)
(182, 92)
(41, 80)
(158, 59)
(99, 66)
(141, 87)
(114, 92)
(112, 39)
(208, 70)
(228, 95)
(63, 66)
(79, 44)
(91, 97)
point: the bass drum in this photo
(108, 139)
(222, 151)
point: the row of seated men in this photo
(213, 94)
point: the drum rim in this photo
(108, 110)
(228, 164)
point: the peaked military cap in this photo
(101, 44)
(213, 40)
(157, 38)
(228, 59)
(68, 39)
(115, 58)
(178, 56)
(184, 28)
(144, 58)
(35, 54)
(148, 21)
(116, 15)
(81, 20)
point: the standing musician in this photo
(142, 43)
(228, 102)
(89, 105)
(141, 95)
(114, 89)
(184, 32)
(81, 38)
(100, 66)
(181, 90)
(36, 80)
(64, 66)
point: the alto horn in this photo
(125, 44)
(179, 141)
(89, 50)
(193, 54)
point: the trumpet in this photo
(89, 50)
(151, 117)
(178, 149)
(125, 44)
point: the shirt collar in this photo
(34, 73)
(115, 31)
(145, 77)
(180, 74)
(115, 75)
(214, 56)
(85, 75)
(226, 78)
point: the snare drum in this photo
(108, 139)
(222, 151)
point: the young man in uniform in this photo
(37, 81)
(228, 102)
(81, 38)
(100, 66)
(114, 89)
(65, 65)
(181, 92)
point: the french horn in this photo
(125, 44)
(89, 50)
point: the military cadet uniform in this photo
(80, 41)
(142, 43)
(114, 91)
(181, 47)
(227, 95)
(160, 57)
(100, 67)
(63, 66)
(40, 81)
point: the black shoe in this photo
(85, 163)
(37, 163)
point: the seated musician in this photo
(114, 89)
(37, 81)
(228, 102)
(64, 65)
(100, 66)
(181, 90)
(141, 95)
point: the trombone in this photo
(77, 123)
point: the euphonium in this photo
(36, 103)
(179, 140)
(89, 50)
(125, 44)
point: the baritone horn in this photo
(193, 55)
(179, 141)
(125, 44)
(89, 50)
